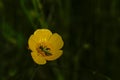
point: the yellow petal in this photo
(55, 55)
(56, 41)
(41, 35)
(38, 58)
(32, 44)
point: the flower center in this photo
(44, 50)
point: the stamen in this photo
(45, 50)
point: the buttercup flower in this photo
(45, 46)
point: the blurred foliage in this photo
(90, 30)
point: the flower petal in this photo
(32, 44)
(39, 59)
(55, 55)
(42, 35)
(56, 41)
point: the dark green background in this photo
(90, 30)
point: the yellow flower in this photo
(45, 46)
